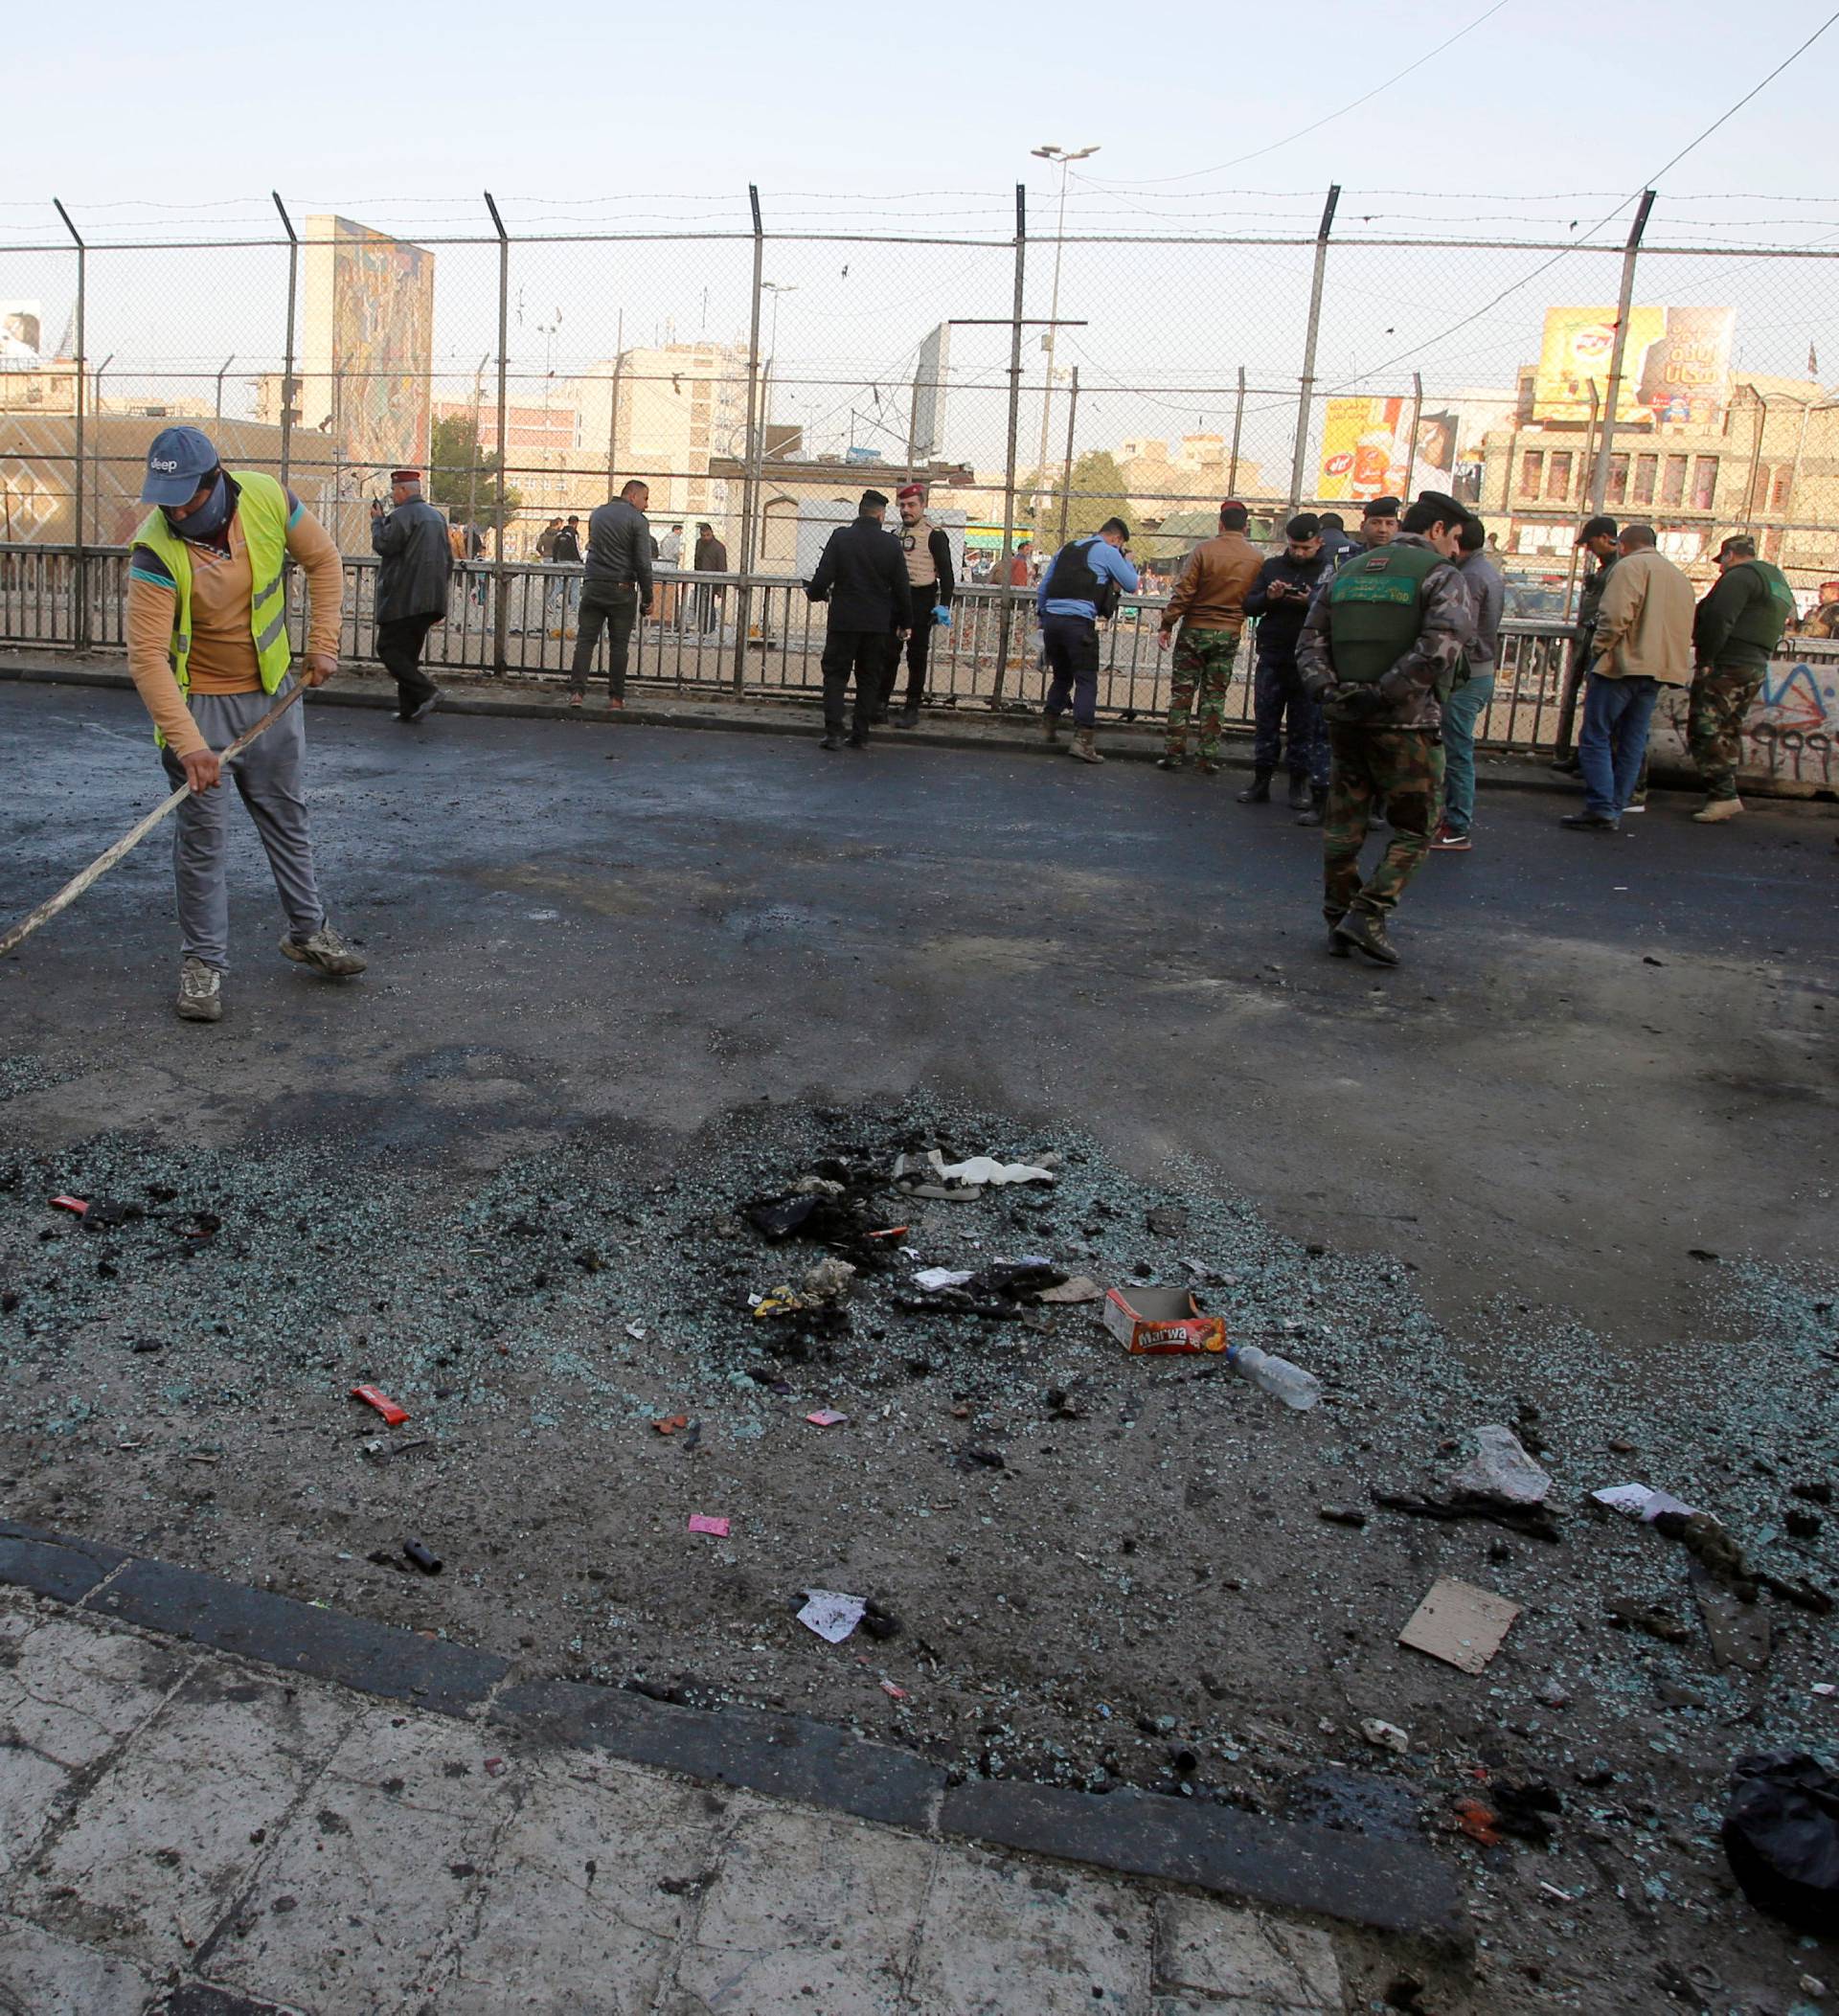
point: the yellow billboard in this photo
(1675, 367)
(1366, 451)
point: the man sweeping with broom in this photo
(207, 644)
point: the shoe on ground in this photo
(1258, 791)
(576, 700)
(1448, 840)
(1082, 750)
(1300, 799)
(614, 705)
(859, 739)
(1170, 759)
(1640, 806)
(425, 707)
(1590, 822)
(832, 740)
(200, 993)
(1567, 766)
(878, 718)
(1206, 766)
(909, 718)
(1366, 934)
(327, 952)
(1050, 727)
(1338, 946)
(1313, 817)
(1714, 811)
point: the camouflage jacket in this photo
(1409, 688)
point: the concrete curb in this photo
(942, 727)
(1396, 1887)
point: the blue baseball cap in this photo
(177, 462)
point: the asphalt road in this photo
(1600, 1054)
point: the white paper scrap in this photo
(933, 1278)
(832, 1614)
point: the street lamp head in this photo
(1083, 152)
(1050, 153)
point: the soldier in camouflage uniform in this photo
(1378, 651)
(1734, 633)
(1209, 603)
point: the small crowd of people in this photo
(1375, 659)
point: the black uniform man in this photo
(414, 560)
(863, 576)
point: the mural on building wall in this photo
(382, 339)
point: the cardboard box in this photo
(1162, 1320)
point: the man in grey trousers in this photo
(207, 645)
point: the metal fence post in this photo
(1066, 477)
(287, 386)
(750, 488)
(1307, 399)
(1612, 394)
(1006, 606)
(78, 575)
(500, 614)
(1238, 428)
(96, 452)
(1411, 433)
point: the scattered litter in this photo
(1824, 1689)
(423, 1557)
(703, 1523)
(374, 1396)
(1341, 1514)
(1385, 1736)
(776, 1302)
(1741, 1633)
(635, 1332)
(74, 1205)
(1460, 1624)
(826, 1417)
(495, 1767)
(933, 1278)
(1500, 1469)
(1643, 1501)
(1781, 1836)
(827, 1282)
(1158, 1321)
(1276, 1376)
(671, 1423)
(1700, 1253)
(778, 1220)
(1536, 1521)
(893, 1692)
(1081, 1288)
(986, 1170)
(888, 1231)
(832, 1613)
(1478, 1821)
(1167, 1221)
(1628, 1614)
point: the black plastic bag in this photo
(1781, 1838)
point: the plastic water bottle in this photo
(1276, 1376)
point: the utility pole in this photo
(1307, 401)
(1066, 161)
(1612, 397)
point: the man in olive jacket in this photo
(414, 560)
(1734, 633)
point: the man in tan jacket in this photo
(1643, 640)
(1209, 603)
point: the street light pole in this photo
(1065, 161)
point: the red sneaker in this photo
(1446, 840)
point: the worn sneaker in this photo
(327, 951)
(1366, 934)
(1714, 811)
(425, 707)
(1170, 759)
(200, 993)
(1446, 840)
(1589, 823)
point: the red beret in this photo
(911, 489)
(405, 475)
(1234, 504)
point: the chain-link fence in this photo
(758, 363)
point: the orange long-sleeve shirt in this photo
(223, 651)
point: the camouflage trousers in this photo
(1397, 770)
(1721, 698)
(1202, 667)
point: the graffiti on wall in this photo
(1791, 730)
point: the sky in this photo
(1539, 122)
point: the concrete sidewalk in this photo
(188, 1832)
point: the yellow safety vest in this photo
(262, 505)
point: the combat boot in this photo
(200, 991)
(1318, 798)
(1258, 791)
(1082, 750)
(1363, 929)
(1172, 760)
(1338, 946)
(1300, 799)
(1715, 810)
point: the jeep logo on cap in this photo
(170, 468)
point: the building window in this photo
(1704, 482)
(1532, 471)
(1646, 467)
(1617, 491)
(1557, 479)
(1672, 483)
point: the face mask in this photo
(209, 518)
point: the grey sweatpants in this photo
(268, 777)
